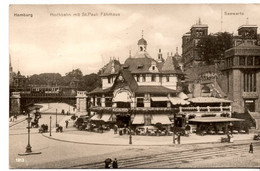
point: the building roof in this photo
(140, 65)
(99, 90)
(107, 70)
(142, 41)
(154, 89)
(246, 26)
(129, 79)
(199, 25)
(194, 73)
(243, 49)
(171, 65)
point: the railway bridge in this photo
(21, 100)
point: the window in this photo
(241, 60)
(167, 78)
(98, 101)
(108, 102)
(109, 80)
(138, 78)
(153, 68)
(250, 60)
(249, 82)
(140, 102)
(153, 78)
(144, 78)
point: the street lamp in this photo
(28, 148)
(173, 127)
(50, 126)
(130, 134)
(56, 118)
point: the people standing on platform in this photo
(251, 150)
(67, 123)
(179, 138)
(114, 164)
(115, 128)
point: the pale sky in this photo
(45, 43)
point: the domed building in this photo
(142, 91)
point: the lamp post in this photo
(50, 126)
(28, 147)
(56, 118)
(130, 134)
(173, 127)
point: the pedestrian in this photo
(15, 116)
(251, 150)
(114, 164)
(107, 163)
(115, 129)
(67, 123)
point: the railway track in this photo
(162, 160)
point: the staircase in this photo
(256, 117)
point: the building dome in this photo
(142, 42)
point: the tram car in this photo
(43, 91)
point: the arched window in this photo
(141, 48)
(205, 89)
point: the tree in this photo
(75, 73)
(212, 47)
(51, 79)
(90, 82)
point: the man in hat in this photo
(114, 164)
(251, 150)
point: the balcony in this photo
(206, 109)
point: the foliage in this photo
(50, 79)
(90, 82)
(212, 47)
(85, 83)
(74, 74)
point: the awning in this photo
(183, 96)
(95, 117)
(159, 99)
(209, 100)
(106, 117)
(138, 119)
(177, 100)
(215, 119)
(160, 118)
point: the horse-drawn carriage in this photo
(43, 128)
(59, 128)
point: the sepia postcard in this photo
(160, 86)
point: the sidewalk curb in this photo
(17, 123)
(102, 144)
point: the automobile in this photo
(220, 133)
(257, 137)
(242, 131)
(234, 132)
(80, 120)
